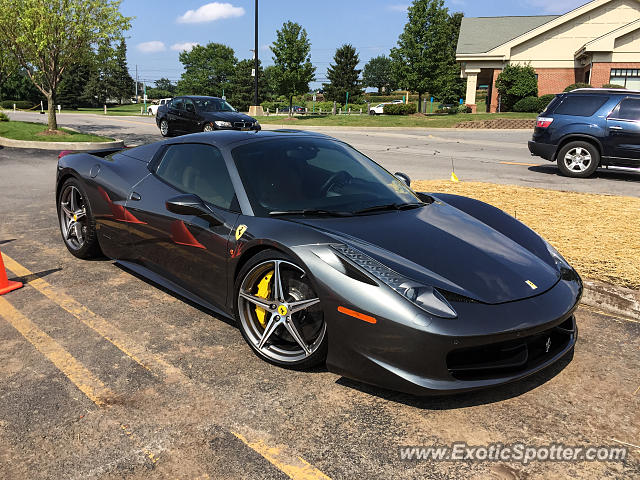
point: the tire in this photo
(578, 159)
(280, 347)
(372, 112)
(150, 112)
(82, 243)
(208, 127)
(165, 128)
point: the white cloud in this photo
(557, 7)
(185, 46)
(398, 7)
(211, 12)
(152, 47)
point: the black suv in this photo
(588, 128)
(201, 114)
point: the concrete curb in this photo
(75, 146)
(612, 299)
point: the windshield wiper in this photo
(310, 212)
(391, 206)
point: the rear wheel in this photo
(578, 159)
(279, 313)
(165, 130)
(77, 224)
(372, 112)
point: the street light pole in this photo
(255, 97)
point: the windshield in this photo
(315, 174)
(213, 105)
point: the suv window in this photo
(581, 105)
(200, 169)
(177, 103)
(629, 109)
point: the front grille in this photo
(512, 357)
(243, 124)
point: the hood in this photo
(444, 247)
(228, 116)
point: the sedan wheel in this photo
(164, 128)
(280, 315)
(208, 127)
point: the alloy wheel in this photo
(280, 312)
(208, 128)
(164, 128)
(73, 217)
(578, 159)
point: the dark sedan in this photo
(189, 114)
(322, 256)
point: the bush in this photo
(577, 85)
(400, 109)
(544, 101)
(612, 85)
(464, 109)
(20, 104)
(529, 105)
(515, 83)
(3, 117)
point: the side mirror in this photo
(404, 177)
(190, 204)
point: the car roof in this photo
(199, 97)
(232, 137)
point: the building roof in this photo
(481, 34)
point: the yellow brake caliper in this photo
(264, 290)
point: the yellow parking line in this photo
(82, 378)
(294, 467)
(108, 331)
(521, 164)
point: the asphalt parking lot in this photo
(104, 375)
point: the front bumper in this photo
(544, 150)
(407, 350)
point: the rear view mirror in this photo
(404, 177)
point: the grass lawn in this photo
(29, 131)
(598, 234)
(445, 121)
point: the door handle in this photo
(135, 196)
(615, 128)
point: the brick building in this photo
(597, 43)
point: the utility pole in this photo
(136, 83)
(256, 109)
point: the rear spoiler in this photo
(97, 153)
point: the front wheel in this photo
(578, 159)
(77, 224)
(372, 112)
(279, 312)
(164, 128)
(208, 127)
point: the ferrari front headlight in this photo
(426, 297)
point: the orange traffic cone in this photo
(6, 285)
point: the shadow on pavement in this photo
(620, 175)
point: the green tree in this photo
(378, 73)
(103, 80)
(293, 69)
(207, 70)
(446, 83)
(243, 87)
(344, 76)
(72, 91)
(166, 85)
(19, 87)
(269, 82)
(8, 66)
(424, 51)
(45, 36)
(515, 83)
(124, 84)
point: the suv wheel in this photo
(578, 159)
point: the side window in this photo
(177, 103)
(629, 109)
(581, 105)
(189, 106)
(200, 169)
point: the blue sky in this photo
(163, 27)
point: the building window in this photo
(626, 77)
